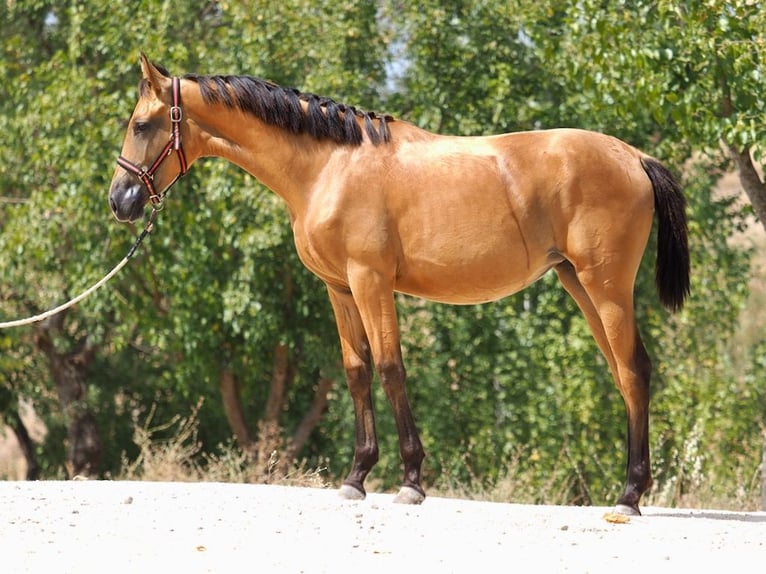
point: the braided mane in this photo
(323, 119)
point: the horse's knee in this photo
(391, 374)
(359, 378)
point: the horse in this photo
(378, 205)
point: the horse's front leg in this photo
(358, 367)
(374, 297)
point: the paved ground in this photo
(139, 527)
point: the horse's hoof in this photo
(408, 495)
(348, 492)
(627, 510)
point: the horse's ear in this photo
(153, 80)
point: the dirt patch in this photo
(210, 527)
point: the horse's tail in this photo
(672, 267)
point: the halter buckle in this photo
(157, 202)
(176, 114)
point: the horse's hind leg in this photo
(606, 300)
(358, 367)
(571, 283)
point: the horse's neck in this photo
(286, 163)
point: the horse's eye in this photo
(140, 127)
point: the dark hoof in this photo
(348, 492)
(409, 495)
(627, 510)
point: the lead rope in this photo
(42, 316)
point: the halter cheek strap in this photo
(146, 176)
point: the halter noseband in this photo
(146, 176)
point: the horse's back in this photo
(567, 155)
(582, 179)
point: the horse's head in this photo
(153, 135)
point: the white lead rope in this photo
(68, 304)
(84, 294)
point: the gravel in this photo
(142, 527)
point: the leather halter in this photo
(146, 176)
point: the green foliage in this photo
(515, 384)
(689, 71)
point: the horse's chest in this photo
(318, 253)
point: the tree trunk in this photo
(311, 418)
(69, 372)
(26, 445)
(270, 440)
(85, 448)
(269, 437)
(235, 414)
(281, 377)
(751, 181)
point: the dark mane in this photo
(324, 119)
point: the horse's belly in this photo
(466, 280)
(459, 294)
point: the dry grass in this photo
(691, 487)
(513, 485)
(181, 458)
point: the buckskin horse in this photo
(378, 206)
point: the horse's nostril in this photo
(113, 204)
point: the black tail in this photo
(672, 268)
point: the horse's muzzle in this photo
(127, 202)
